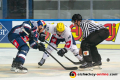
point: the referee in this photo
(93, 34)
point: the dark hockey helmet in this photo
(77, 17)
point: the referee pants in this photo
(88, 45)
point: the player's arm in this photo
(49, 28)
(68, 40)
(34, 45)
(27, 26)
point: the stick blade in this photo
(71, 68)
(76, 63)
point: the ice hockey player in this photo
(18, 38)
(93, 34)
(60, 33)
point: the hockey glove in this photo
(31, 34)
(42, 36)
(62, 52)
(41, 47)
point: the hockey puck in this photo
(108, 59)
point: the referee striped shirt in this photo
(89, 26)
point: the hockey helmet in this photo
(60, 27)
(41, 22)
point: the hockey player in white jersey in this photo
(60, 33)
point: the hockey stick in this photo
(64, 55)
(66, 68)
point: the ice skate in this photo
(97, 65)
(42, 61)
(86, 66)
(81, 61)
(13, 66)
(20, 68)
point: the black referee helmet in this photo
(77, 17)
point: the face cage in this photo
(57, 32)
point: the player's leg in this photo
(11, 38)
(75, 50)
(46, 55)
(21, 45)
(54, 42)
(13, 66)
(21, 58)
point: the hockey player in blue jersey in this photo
(18, 38)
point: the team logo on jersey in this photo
(72, 74)
(3, 32)
(16, 43)
(68, 44)
(85, 53)
(53, 40)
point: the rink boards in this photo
(100, 46)
(112, 42)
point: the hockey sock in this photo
(22, 53)
(79, 57)
(45, 56)
(17, 59)
(22, 56)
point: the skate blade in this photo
(13, 69)
(39, 66)
(20, 71)
(86, 69)
(97, 67)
